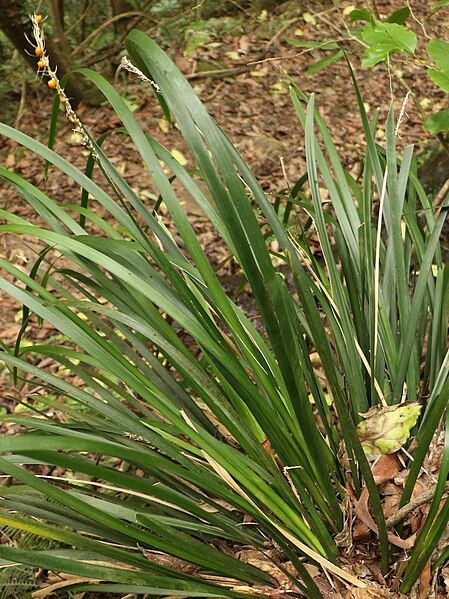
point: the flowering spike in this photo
(53, 81)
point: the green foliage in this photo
(383, 38)
(189, 432)
(322, 45)
(441, 79)
(380, 39)
(399, 16)
(438, 122)
(438, 52)
(322, 64)
(360, 14)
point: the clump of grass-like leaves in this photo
(225, 436)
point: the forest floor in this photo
(253, 106)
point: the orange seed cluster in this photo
(39, 52)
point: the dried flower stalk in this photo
(129, 66)
(46, 70)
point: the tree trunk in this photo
(11, 23)
(82, 34)
(118, 7)
(265, 4)
(57, 15)
(57, 19)
(14, 23)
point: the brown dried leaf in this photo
(69, 580)
(371, 592)
(424, 582)
(262, 561)
(384, 470)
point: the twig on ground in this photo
(249, 66)
(214, 92)
(441, 194)
(220, 73)
(412, 505)
(282, 30)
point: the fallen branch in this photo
(230, 71)
(412, 505)
(220, 73)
